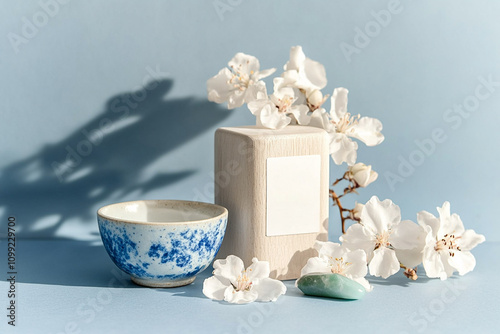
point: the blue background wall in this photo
(76, 70)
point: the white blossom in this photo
(304, 73)
(447, 244)
(283, 107)
(341, 127)
(240, 83)
(235, 284)
(337, 259)
(380, 233)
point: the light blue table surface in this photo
(73, 287)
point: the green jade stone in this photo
(331, 286)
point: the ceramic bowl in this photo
(162, 243)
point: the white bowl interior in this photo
(161, 211)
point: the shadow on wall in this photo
(104, 159)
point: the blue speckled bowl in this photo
(162, 243)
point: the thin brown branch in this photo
(343, 218)
(351, 188)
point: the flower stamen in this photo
(242, 283)
(382, 239)
(240, 79)
(448, 242)
(346, 123)
(338, 265)
(285, 103)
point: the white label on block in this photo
(293, 195)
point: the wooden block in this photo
(274, 184)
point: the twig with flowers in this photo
(378, 239)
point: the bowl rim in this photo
(128, 221)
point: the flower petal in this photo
(309, 74)
(240, 297)
(319, 244)
(269, 289)
(449, 223)
(315, 74)
(213, 288)
(469, 240)
(410, 258)
(425, 218)
(364, 282)
(338, 103)
(218, 88)
(448, 269)
(315, 265)
(236, 99)
(280, 88)
(264, 73)
(320, 119)
(359, 237)
(380, 216)
(462, 261)
(256, 106)
(257, 270)
(368, 131)
(254, 92)
(433, 263)
(343, 149)
(270, 118)
(358, 266)
(300, 112)
(384, 263)
(297, 58)
(444, 211)
(329, 249)
(290, 77)
(407, 235)
(230, 267)
(244, 63)
(456, 226)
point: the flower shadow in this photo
(195, 290)
(55, 191)
(398, 279)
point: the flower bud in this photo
(356, 212)
(315, 98)
(411, 274)
(362, 174)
